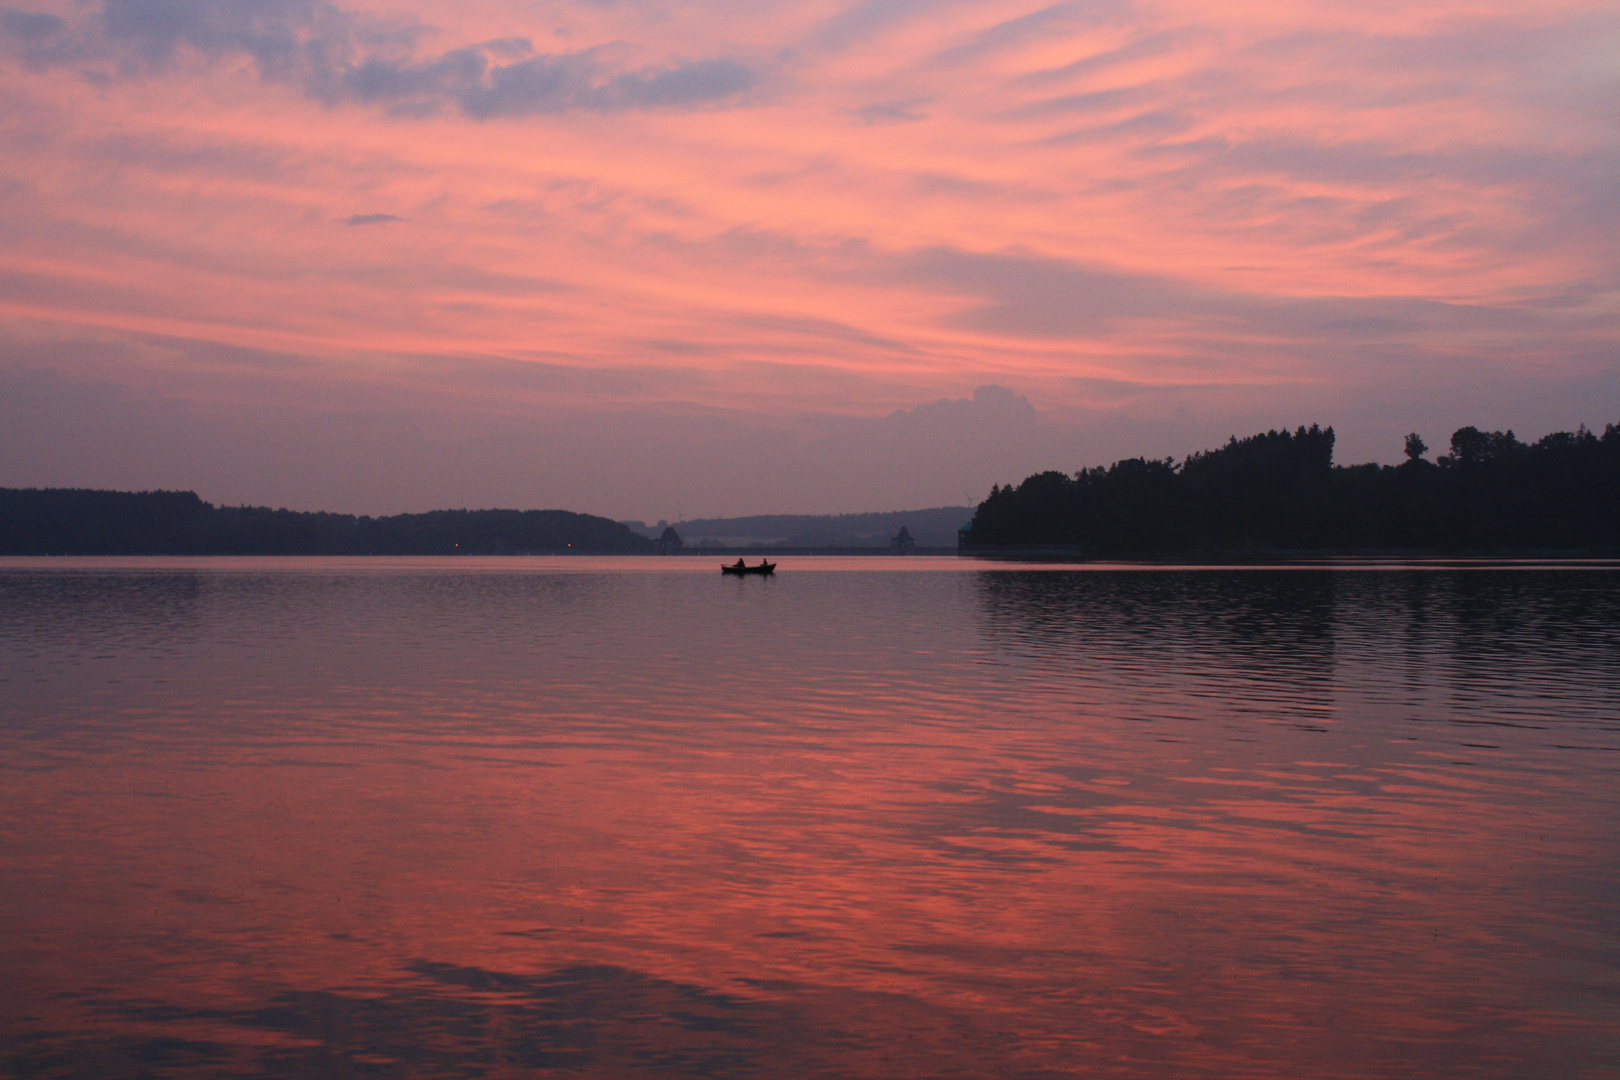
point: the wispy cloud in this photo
(336, 56)
(779, 218)
(890, 112)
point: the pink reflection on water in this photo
(898, 863)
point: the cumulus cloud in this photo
(990, 406)
(338, 56)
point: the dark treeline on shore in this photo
(61, 521)
(1281, 491)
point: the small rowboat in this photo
(737, 568)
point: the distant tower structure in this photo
(902, 542)
(670, 542)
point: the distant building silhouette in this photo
(670, 542)
(902, 543)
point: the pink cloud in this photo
(1130, 213)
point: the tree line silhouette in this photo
(66, 521)
(1281, 491)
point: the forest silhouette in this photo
(1280, 491)
(67, 521)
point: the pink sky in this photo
(652, 260)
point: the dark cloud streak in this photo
(336, 57)
(890, 112)
(1011, 33)
(1034, 297)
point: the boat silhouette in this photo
(740, 568)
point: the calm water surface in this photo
(871, 818)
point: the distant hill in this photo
(929, 528)
(69, 521)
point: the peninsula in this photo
(71, 521)
(1280, 492)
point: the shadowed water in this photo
(870, 818)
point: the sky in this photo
(655, 260)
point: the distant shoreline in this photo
(1608, 559)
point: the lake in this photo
(881, 817)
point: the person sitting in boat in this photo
(741, 564)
